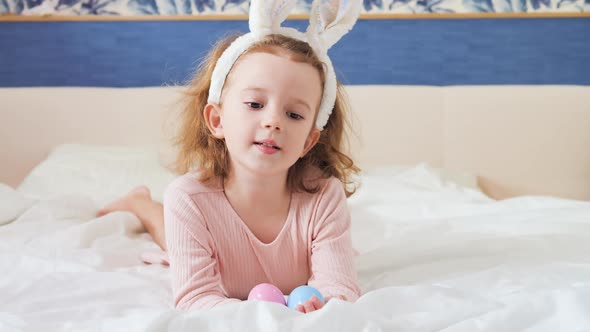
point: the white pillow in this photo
(418, 184)
(107, 172)
(391, 198)
(425, 176)
(12, 204)
(415, 192)
(103, 173)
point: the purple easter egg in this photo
(266, 292)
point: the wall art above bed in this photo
(207, 7)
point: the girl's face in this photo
(268, 110)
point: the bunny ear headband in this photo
(329, 21)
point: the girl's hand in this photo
(310, 305)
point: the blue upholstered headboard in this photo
(400, 52)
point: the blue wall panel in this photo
(406, 52)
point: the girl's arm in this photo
(196, 283)
(332, 256)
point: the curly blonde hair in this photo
(198, 149)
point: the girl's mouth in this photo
(263, 144)
(267, 146)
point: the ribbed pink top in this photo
(215, 258)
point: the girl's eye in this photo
(294, 116)
(254, 105)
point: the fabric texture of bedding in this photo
(434, 255)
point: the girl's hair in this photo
(199, 149)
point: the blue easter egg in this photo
(301, 294)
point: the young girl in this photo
(263, 195)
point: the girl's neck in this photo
(248, 188)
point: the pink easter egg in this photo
(267, 292)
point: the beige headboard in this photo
(518, 140)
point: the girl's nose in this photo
(272, 120)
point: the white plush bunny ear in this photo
(332, 19)
(267, 15)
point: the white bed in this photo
(436, 253)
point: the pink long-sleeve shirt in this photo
(215, 258)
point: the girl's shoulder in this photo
(330, 186)
(191, 183)
(327, 200)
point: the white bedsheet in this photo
(433, 256)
